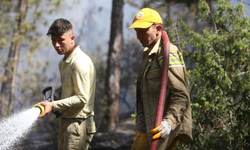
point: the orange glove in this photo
(162, 131)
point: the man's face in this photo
(148, 36)
(63, 43)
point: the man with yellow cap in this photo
(176, 122)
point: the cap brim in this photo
(139, 24)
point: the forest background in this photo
(213, 36)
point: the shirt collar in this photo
(75, 51)
(154, 49)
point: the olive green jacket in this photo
(177, 109)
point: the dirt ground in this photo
(121, 139)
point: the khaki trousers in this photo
(75, 135)
(141, 142)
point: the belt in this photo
(79, 120)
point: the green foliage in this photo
(31, 74)
(4, 22)
(29, 67)
(133, 116)
(220, 81)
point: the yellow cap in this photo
(145, 18)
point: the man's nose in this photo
(57, 44)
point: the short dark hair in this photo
(59, 26)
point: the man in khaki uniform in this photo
(78, 82)
(176, 123)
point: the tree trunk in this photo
(169, 11)
(112, 80)
(8, 87)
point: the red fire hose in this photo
(164, 81)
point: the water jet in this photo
(16, 126)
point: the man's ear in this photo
(158, 28)
(72, 38)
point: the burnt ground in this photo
(121, 139)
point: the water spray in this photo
(14, 127)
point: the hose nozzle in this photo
(40, 107)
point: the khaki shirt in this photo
(78, 79)
(177, 109)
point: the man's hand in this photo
(47, 108)
(162, 130)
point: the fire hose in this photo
(164, 80)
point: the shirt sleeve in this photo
(81, 85)
(178, 88)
